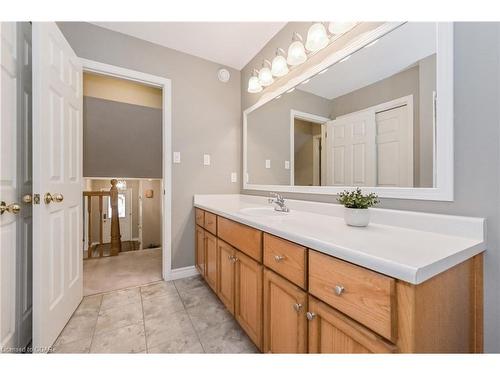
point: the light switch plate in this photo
(287, 164)
(177, 157)
(234, 177)
(268, 163)
(206, 159)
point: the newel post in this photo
(116, 244)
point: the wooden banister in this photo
(116, 244)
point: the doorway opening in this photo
(123, 207)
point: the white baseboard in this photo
(180, 273)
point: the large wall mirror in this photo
(378, 114)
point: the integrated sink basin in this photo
(262, 212)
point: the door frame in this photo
(166, 86)
(310, 117)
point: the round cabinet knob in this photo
(279, 258)
(56, 197)
(13, 208)
(339, 289)
(297, 306)
(310, 315)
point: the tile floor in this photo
(183, 316)
(126, 270)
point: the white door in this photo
(394, 148)
(57, 169)
(351, 158)
(9, 184)
(124, 215)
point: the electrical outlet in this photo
(287, 164)
(206, 159)
(234, 177)
(268, 163)
(177, 157)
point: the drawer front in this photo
(247, 240)
(210, 222)
(361, 294)
(200, 217)
(286, 258)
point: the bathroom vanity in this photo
(304, 282)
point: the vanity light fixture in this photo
(337, 28)
(317, 37)
(265, 75)
(296, 51)
(279, 66)
(254, 85)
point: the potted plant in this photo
(356, 212)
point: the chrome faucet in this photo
(279, 201)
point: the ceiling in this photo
(393, 53)
(231, 44)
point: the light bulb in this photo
(254, 85)
(337, 28)
(316, 37)
(296, 51)
(265, 76)
(279, 66)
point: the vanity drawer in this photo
(364, 295)
(246, 239)
(210, 222)
(286, 258)
(200, 217)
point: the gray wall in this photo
(477, 149)
(121, 139)
(268, 135)
(206, 118)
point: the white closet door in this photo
(394, 148)
(351, 159)
(57, 169)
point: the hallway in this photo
(126, 270)
(183, 316)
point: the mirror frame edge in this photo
(444, 155)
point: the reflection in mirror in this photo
(368, 120)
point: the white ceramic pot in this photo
(357, 217)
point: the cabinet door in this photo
(211, 260)
(200, 250)
(285, 323)
(332, 332)
(248, 296)
(225, 274)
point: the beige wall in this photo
(120, 90)
(206, 118)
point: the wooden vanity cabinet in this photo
(211, 260)
(200, 250)
(290, 299)
(248, 296)
(285, 323)
(226, 259)
(330, 331)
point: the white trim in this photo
(443, 184)
(139, 229)
(181, 273)
(311, 117)
(166, 85)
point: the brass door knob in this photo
(56, 197)
(12, 208)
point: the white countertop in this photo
(408, 246)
